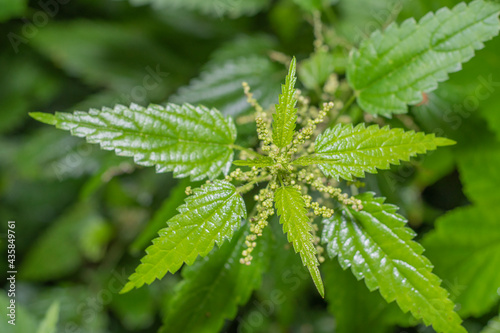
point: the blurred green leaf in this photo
(100, 54)
(493, 326)
(94, 238)
(315, 70)
(49, 323)
(135, 309)
(479, 174)
(465, 249)
(242, 46)
(359, 18)
(61, 240)
(355, 308)
(220, 86)
(12, 8)
(217, 8)
(312, 5)
(214, 287)
(434, 166)
(25, 85)
(53, 155)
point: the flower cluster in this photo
(282, 172)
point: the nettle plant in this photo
(304, 154)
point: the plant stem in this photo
(345, 108)
(247, 150)
(247, 187)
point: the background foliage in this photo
(84, 216)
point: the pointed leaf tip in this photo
(293, 216)
(345, 151)
(215, 208)
(128, 287)
(440, 141)
(46, 118)
(285, 117)
(192, 141)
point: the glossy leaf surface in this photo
(188, 140)
(209, 216)
(286, 115)
(352, 151)
(296, 224)
(378, 247)
(392, 68)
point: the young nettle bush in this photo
(296, 171)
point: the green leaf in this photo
(190, 141)
(479, 173)
(378, 247)
(213, 288)
(12, 8)
(286, 114)
(220, 85)
(392, 68)
(27, 85)
(49, 323)
(296, 224)
(242, 46)
(465, 249)
(260, 162)
(352, 151)
(216, 8)
(355, 308)
(210, 215)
